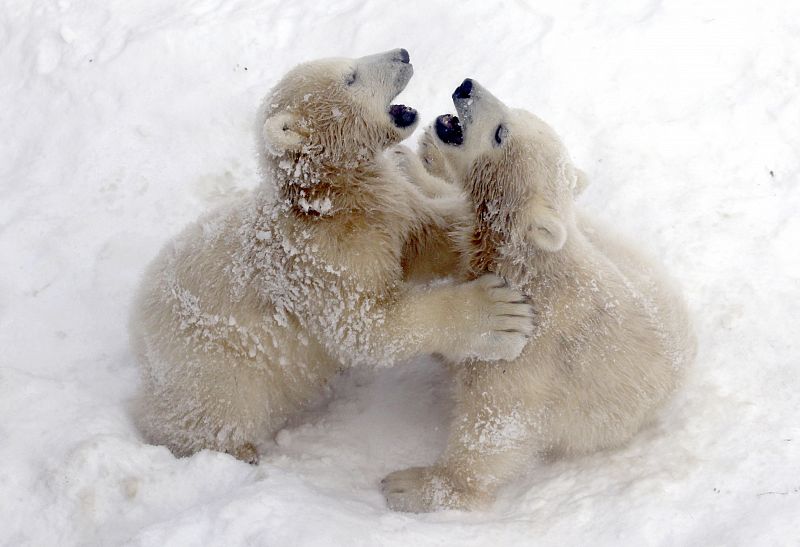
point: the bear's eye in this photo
(500, 134)
(351, 78)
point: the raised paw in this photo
(408, 162)
(512, 312)
(507, 321)
(418, 490)
(411, 167)
(432, 157)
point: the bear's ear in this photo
(280, 135)
(581, 182)
(544, 229)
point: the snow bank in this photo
(122, 121)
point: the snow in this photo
(123, 121)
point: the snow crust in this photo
(123, 121)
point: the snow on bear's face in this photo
(512, 164)
(339, 109)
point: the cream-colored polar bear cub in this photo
(612, 336)
(243, 318)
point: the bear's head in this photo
(338, 110)
(516, 170)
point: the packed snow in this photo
(123, 121)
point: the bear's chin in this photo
(402, 116)
(448, 129)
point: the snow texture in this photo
(123, 121)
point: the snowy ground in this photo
(123, 120)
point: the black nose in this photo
(402, 55)
(464, 90)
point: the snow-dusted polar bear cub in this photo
(612, 336)
(243, 317)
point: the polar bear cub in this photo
(612, 336)
(243, 318)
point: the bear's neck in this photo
(319, 187)
(522, 264)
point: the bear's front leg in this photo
(421, 490)
(467, 482)
(482, 319)
(432, 157)
(412, 167)
(490, 442)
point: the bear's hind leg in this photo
(215, 403)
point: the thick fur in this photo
(431, 254)
(612, 337)
(243, 318)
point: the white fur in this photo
(244, 317)
(612, 338)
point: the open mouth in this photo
(402, 115)
(448, 129)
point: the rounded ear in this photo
(581, 182)
(280, 135)
(545, 229)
